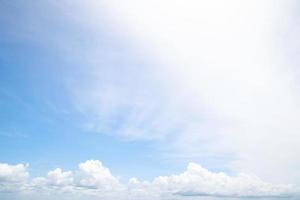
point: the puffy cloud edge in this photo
(93, 178)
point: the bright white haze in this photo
(224, 61)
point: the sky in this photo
(160, 100)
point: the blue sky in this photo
(38, 116)
(125, 87)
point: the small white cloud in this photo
(92, 174)
(59, 178)
(13, 173)
(13, 177)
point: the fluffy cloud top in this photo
(92, 178)
(55, 178)
(13, 177)
(13, 173)
(198, 180)
(58, 177)
(92, 174)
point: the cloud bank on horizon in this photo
(93, 180)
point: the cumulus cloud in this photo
(55, 177)
(13, 177)
(13, 173)
(58, 177)
(94, 179)
(92, 174)
(198, 180)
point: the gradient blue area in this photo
(39, 124)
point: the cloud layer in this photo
(94, 179)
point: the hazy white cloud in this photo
(217, 77)
(93, 179)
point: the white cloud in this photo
(198, 180)
(13, 177)
(58, 177)
(13, 173)
(95, 180)
(92, 174)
